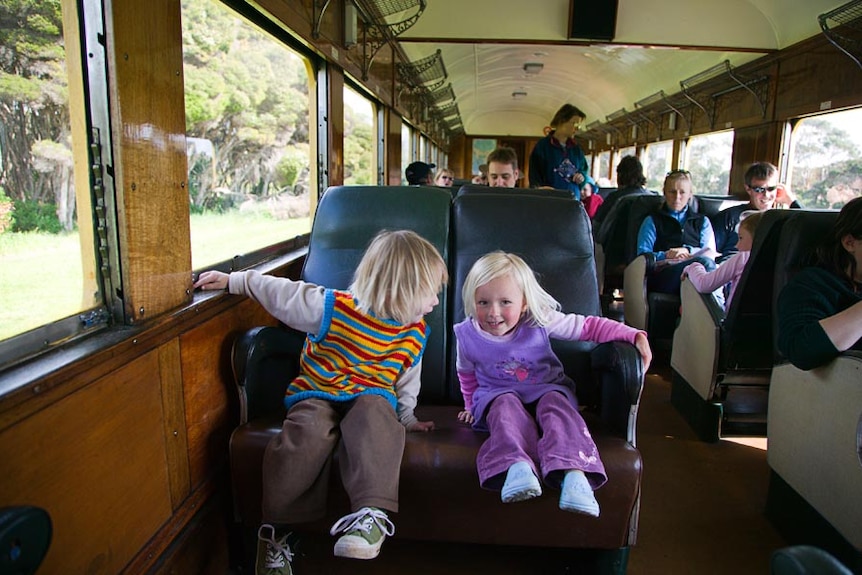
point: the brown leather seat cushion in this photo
(441, 499)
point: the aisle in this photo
(702, 504)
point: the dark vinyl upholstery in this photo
(348, 217)
(440, 497)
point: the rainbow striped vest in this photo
(355, 353)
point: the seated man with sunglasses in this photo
(764, 192)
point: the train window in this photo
(826, 159)
(708, 158)
(657, 160)
(603, 167)
(50, 286)
(247, 123)
(359, 165)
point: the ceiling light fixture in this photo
(533, 68)
(518, 94)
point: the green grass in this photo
(42, 279)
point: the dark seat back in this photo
(711, 205)
(800, 236)
(478, 189)
(618, 226)
(348, 217)
(553, 236)
(746, 333)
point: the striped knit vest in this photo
(355, 353)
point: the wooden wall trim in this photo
(145, 64)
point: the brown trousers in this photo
(369, 441)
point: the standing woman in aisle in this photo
(558, 161)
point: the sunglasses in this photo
(763, 190)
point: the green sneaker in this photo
(273, 556)
(364, 532)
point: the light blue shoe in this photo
(577, 495)
(521, 483)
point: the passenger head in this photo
(842, 253)
(509, 279)
(420, 174)
(399, 277)
(761, 183)
(444, 177)
(747, 226)
(503, 168)
(566, 122)
(677, 189)
(588, 188)
(630, 173)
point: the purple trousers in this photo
(550, 435)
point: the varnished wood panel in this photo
(393, 148)
(176, 443)
(755, 144)
(211, 405)
(336, 126)
(146, 65)
(96, 462)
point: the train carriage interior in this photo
(145, 142)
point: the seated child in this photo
(590, 197)
(730, 270)
(355, 399)
(514, 386)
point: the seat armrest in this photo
(696, 340)
(264, 361)
(619, 369)
(636, 309)
(815, 438)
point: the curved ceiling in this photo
(485, 44)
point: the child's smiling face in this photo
(499, 305)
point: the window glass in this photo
(825, 169)
(247, 122)
(708, 158)
(359, 166)
(656, 161)
(46, 222)
(603, 170)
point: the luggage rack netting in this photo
(843, 28)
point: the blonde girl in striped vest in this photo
(354, 395)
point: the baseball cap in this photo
(417, 172)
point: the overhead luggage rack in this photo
(843, 28)
(428, 72)
(382, 21)
(724, 69)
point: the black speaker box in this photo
(593, 19)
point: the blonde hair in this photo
(675, 175)
(749, 221)
(494, 265)
(397, 272)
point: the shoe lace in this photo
(363, 520)
(277, 552)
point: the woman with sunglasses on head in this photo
(820, 309)
(764, 193)
(558, 161)
(675, 235)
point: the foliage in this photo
(247, 95)
(34, 103)
(827, 170)
(358, 149)
(5, 212)
(30, 216)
